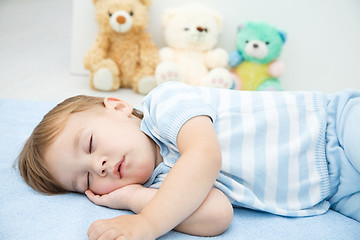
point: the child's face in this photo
(102, 148)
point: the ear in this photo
(118, 105)
(241, 27)
(283, 36)
(169, 13)
(145, 2)
(218, 18)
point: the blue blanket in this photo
(26, 214)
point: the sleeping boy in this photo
(196, 152)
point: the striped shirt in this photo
(272, 143)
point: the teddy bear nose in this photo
(121, 19)
(200, 29)
(256, 45)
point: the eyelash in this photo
(88, 180)
(91, 143)
(90, 151)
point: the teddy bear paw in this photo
(103, 80)
(166, 72)
(169, 76)
(146, 84)
(272, 84)
(220, 82)
(219, 78)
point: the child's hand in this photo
(118, 199)
(122, 227)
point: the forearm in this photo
(212, 217)
(189, 181)
(140, 198)
(164, 211)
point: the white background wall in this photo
(321, 53)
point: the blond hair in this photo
(31, 159)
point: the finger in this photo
(97, 199)
(100, 229)
(109, 234)
(89, 194)
(94, 230)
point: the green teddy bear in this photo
(255, 60)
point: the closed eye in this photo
(88, 180)
(91, 144)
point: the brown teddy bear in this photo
(123, 54)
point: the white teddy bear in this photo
(191, 33)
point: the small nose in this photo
(256, 45)
(99, 167)
(121, 19)
(200, 29)
(103, 168)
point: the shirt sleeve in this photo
(168, 107)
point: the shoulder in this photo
(170, 105)
(170, 94)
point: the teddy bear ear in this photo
(218, 18)
(283, 36)
(146, 2)
(169, 13)
(241, 27)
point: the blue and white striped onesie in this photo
(273, 144)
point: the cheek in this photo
(144, 171)
(104, 186)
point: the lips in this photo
(117, 168)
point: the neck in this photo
(158, 157)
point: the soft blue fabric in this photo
(344, 153)
(25, 214)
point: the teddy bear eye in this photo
(205, 29)
(246, 41)
(267, 42)
(110, 14)
(131, 13)
(186, 29)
